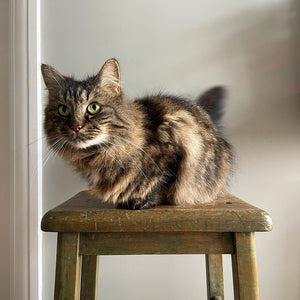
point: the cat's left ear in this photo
(109, 77)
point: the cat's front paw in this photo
(123, 205)
(137, 204)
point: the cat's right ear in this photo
(54, 80)
(108, 79)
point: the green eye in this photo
(63, 110)
(93, 108)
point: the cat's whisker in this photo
(63, 149)
(106, 149)
(59, 147)
(59, 144)
(132, 159)
(47, 157)
(37, 140)
(107, 152)
(44, 158)
(51, 152)
(138, 147)
(56, 141)
(118, 158)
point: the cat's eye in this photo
(93, 108)
(63, 110)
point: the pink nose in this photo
(76, 128)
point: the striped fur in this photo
(158, 149)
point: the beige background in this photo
(183, 47)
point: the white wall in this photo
(5, 229)
(183, 47)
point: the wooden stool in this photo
(87, 228)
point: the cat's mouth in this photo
(79, 137)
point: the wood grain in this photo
(89, 277)
(155, 243)
(67, 280)
(245, 268)
(83, 213)
(214, 276)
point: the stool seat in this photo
(85, 213)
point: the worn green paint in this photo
(244, 267)
(214, 276)
(89, 277)
(67, 267)
(155, 243)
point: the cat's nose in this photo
(76, 128)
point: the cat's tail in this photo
(212, 101)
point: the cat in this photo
(155, 150)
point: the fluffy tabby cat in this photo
(139, 154)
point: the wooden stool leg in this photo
(214, 276)
(67, 267)
(244, 267)
(89, 277)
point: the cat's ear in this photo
(53, 79)
(108, 78)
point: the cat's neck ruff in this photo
(98, 140)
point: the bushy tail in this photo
(212, 101)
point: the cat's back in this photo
(161, 108)
(163, 104)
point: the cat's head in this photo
(84, 113)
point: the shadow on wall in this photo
(263, 49)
